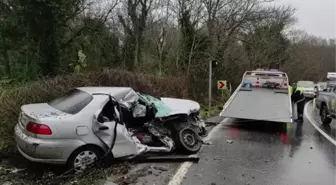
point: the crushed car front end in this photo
(186, 108)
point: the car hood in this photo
(41, 111)
(181, 106)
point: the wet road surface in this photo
(266, 154)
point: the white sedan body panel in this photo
(73, 130)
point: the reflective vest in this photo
(297, 89)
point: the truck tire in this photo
(324, 115)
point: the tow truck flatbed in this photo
(257, 103)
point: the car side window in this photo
(107, 112)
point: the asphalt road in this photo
(264, 153)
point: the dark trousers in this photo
(300, 106)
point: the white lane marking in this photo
(314, 104)
(182, 171)
(314, 123)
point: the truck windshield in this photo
(305, 84)
(72, 102)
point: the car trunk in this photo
(38, 113)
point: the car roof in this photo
(266, 71)
(117, 92)
(102, 89)
(305, 81)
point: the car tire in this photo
(187, 140)
(84, 158)
(324, 115)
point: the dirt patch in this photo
(28, 173)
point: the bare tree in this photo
(134, 24)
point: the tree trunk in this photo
(7, 63)
(136, 51)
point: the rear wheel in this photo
(187, 140)
(324, 115)
(84, 158)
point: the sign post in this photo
(210, 85)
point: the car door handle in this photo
(103, 128)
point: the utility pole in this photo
(210, 81)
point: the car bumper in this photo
(44, 150)
(48, 161)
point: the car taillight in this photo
(37, 128)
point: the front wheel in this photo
(324, 115)
(187, 140)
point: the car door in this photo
(105, 121)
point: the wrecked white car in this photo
(80, 127)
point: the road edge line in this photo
(184, 167)
(314, 123)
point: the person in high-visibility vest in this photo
(298, 98)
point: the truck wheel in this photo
(187, 140)
(324, 115)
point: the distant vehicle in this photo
(326, 103)
(321, 85)
(262, 95)
(331, 75)
(308, 88)
(86, 123)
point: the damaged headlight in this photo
(195, 113)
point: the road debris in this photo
(206, 142)
(229, 141)
(10, 170)
(161, 168)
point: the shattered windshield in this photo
(162, 109)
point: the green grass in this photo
(213, 111)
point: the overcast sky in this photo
(317, 17)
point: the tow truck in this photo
(262, 95)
